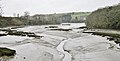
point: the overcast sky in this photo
(52, 6)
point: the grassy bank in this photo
(111, 35)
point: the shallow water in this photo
(67, 56)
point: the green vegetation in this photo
(10, 21)
(105, 18)
(78, 17)
(6, 52)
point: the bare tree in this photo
(26, 16)
(26, 13)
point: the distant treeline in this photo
(74, 17)
(43, 19)
(105, 18)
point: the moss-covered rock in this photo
(7, 52)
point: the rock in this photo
(24, 58)
(110, 38)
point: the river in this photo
(54, 46)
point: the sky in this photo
(53, 6)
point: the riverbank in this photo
(111, 35)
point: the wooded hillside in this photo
(105, 18)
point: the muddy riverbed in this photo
(72, 45)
